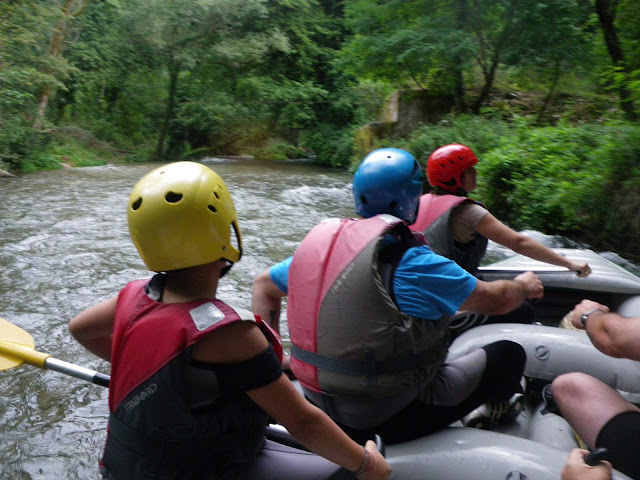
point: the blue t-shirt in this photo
(425, 285)
(279, 273)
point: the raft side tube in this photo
(605, 276)
(461, 453)
(553, 351)
(537, 423)
(630, 307)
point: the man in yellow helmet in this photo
(194, 380)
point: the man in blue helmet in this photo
(368, 311)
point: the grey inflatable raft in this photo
(552, 351)
(608, 283)
(537, 444)
(455, 453)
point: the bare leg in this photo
(588, 404)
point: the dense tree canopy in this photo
(170, 78)
(546, 91)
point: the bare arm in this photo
(493, 229)
(93, 328)
(503, 296)
(314, 429)
(609, 332)
(280, 399)
(266, 300)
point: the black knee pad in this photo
(505, 365)
(620, 436)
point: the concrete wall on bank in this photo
(405, 111)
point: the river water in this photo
(64, 245)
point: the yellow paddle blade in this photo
(17, 346)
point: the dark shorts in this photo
(621, 436)
(500, 379)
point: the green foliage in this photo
(24, 68)
(478, 133)
(567, 180)
(627, 15)
(227, 76)
(406, 43)
(615, 77)
(39, 161)
(332, 146)
(634, 85)
(578, 181)
(278, 151)
(367, 98)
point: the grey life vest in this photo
(348, 336)
(434, 220)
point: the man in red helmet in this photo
(460, 228)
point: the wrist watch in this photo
(585, 315)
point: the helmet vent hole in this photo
(363, 199)
(216, 194)
(136, 205)
(212, 208)
(173, 197)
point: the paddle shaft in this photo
(46, 361)
(77, 371)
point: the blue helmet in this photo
(388, 180)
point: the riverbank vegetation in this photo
(546, 91)
(579, 181)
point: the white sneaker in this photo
(492, 414)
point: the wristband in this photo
(367, 463)
(585, 315)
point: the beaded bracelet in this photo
(367, 463)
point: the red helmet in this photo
(446, 164)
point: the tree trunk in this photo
(42, 107)
(460, 89)
(174, 71)
(55, 49)
(490, 72)
(555, 79)
(606, 16)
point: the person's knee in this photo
(570, 387)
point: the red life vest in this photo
(170, 328)
(157, 424)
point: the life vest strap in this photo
(369, 368)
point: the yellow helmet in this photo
(181, 215)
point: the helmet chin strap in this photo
(227, 267)
(461, 192)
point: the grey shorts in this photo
(455, 381)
